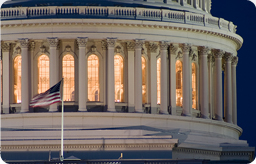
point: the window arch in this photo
(119, 82)
(144, 80)
(159, 81)
(17, 79)
(194, 95)
(68, 73)
(179, 87)
(93, 78)
(43, 73)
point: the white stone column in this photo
(204, 90)
(218, 110)
(111, 75)
(210, 84)
(186, 81)
(54, 69)
(138, 76)
(6, 76)
(173, 54)
(82, 72)
(153, 76)
(163, 106)
(24, 42)
(234, 93)
(228, 89)
(130, 84)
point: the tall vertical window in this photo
(93, 78)
(194, 95)
(179, 95)
(119, 82)
(144, 80)
(68, 73)
(17, 79)
(159, 81)
(189, 2)
(43, 73)
(1, 81)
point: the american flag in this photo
(48, 97)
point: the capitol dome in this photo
(144, 78)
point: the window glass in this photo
(119, 92)
(68, 73)
(159, 81)
(179, 95)
(17, 79)
(144, 80)
(43, 73)
(93, 78)
(194, 95)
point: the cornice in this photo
(218, 33)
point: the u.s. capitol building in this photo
(149, 79)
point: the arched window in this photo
(144, 80)
(194, 95)
(93, 78)
(17, 79)
(159, 81)
(179, 94)
(68, 73)
(43, 73)
(119, 82)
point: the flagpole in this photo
(62, 121)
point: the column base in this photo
(154, 110)
(111, 110)
(82, 110)
(186, 115)
(131, 109)
(138, 111)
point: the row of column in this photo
(134, 54)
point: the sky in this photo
(243, 14)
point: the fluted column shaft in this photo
(54, 68)
(6, 76)
(234, 93)
(163, 106)
(228, 89)
(173, 51)
(24, 42)
(130, 84)
(186, 81)
(138, 76)
(82, 74)
(218, 85)
(204, 90)
(111, 75)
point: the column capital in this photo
(164, 45)
(234, 60)
(111, 42)
(203, 50)
(5, 46)
(152, 47)
(228, 57)
(104, 45)
(82, 41)
(53, 41)
(24, 42)
(31, 46)
(130, 45)
(173, 49)
(210, 58)
(139, 43)
(186, 47)
(218, 53)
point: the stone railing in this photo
(117, 12)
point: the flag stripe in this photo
(48, 97)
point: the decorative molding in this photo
(43, 49)
(104, 45)
(111, 42)
(24, 42)
(218, 53)
(82, 41)
(186, 47)
(31, 46)
(179, 55)
(163, 45)
(118, 49)
(53, 42)
(152, 47)
(173, 49)
(234, 60)
(5, 47)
